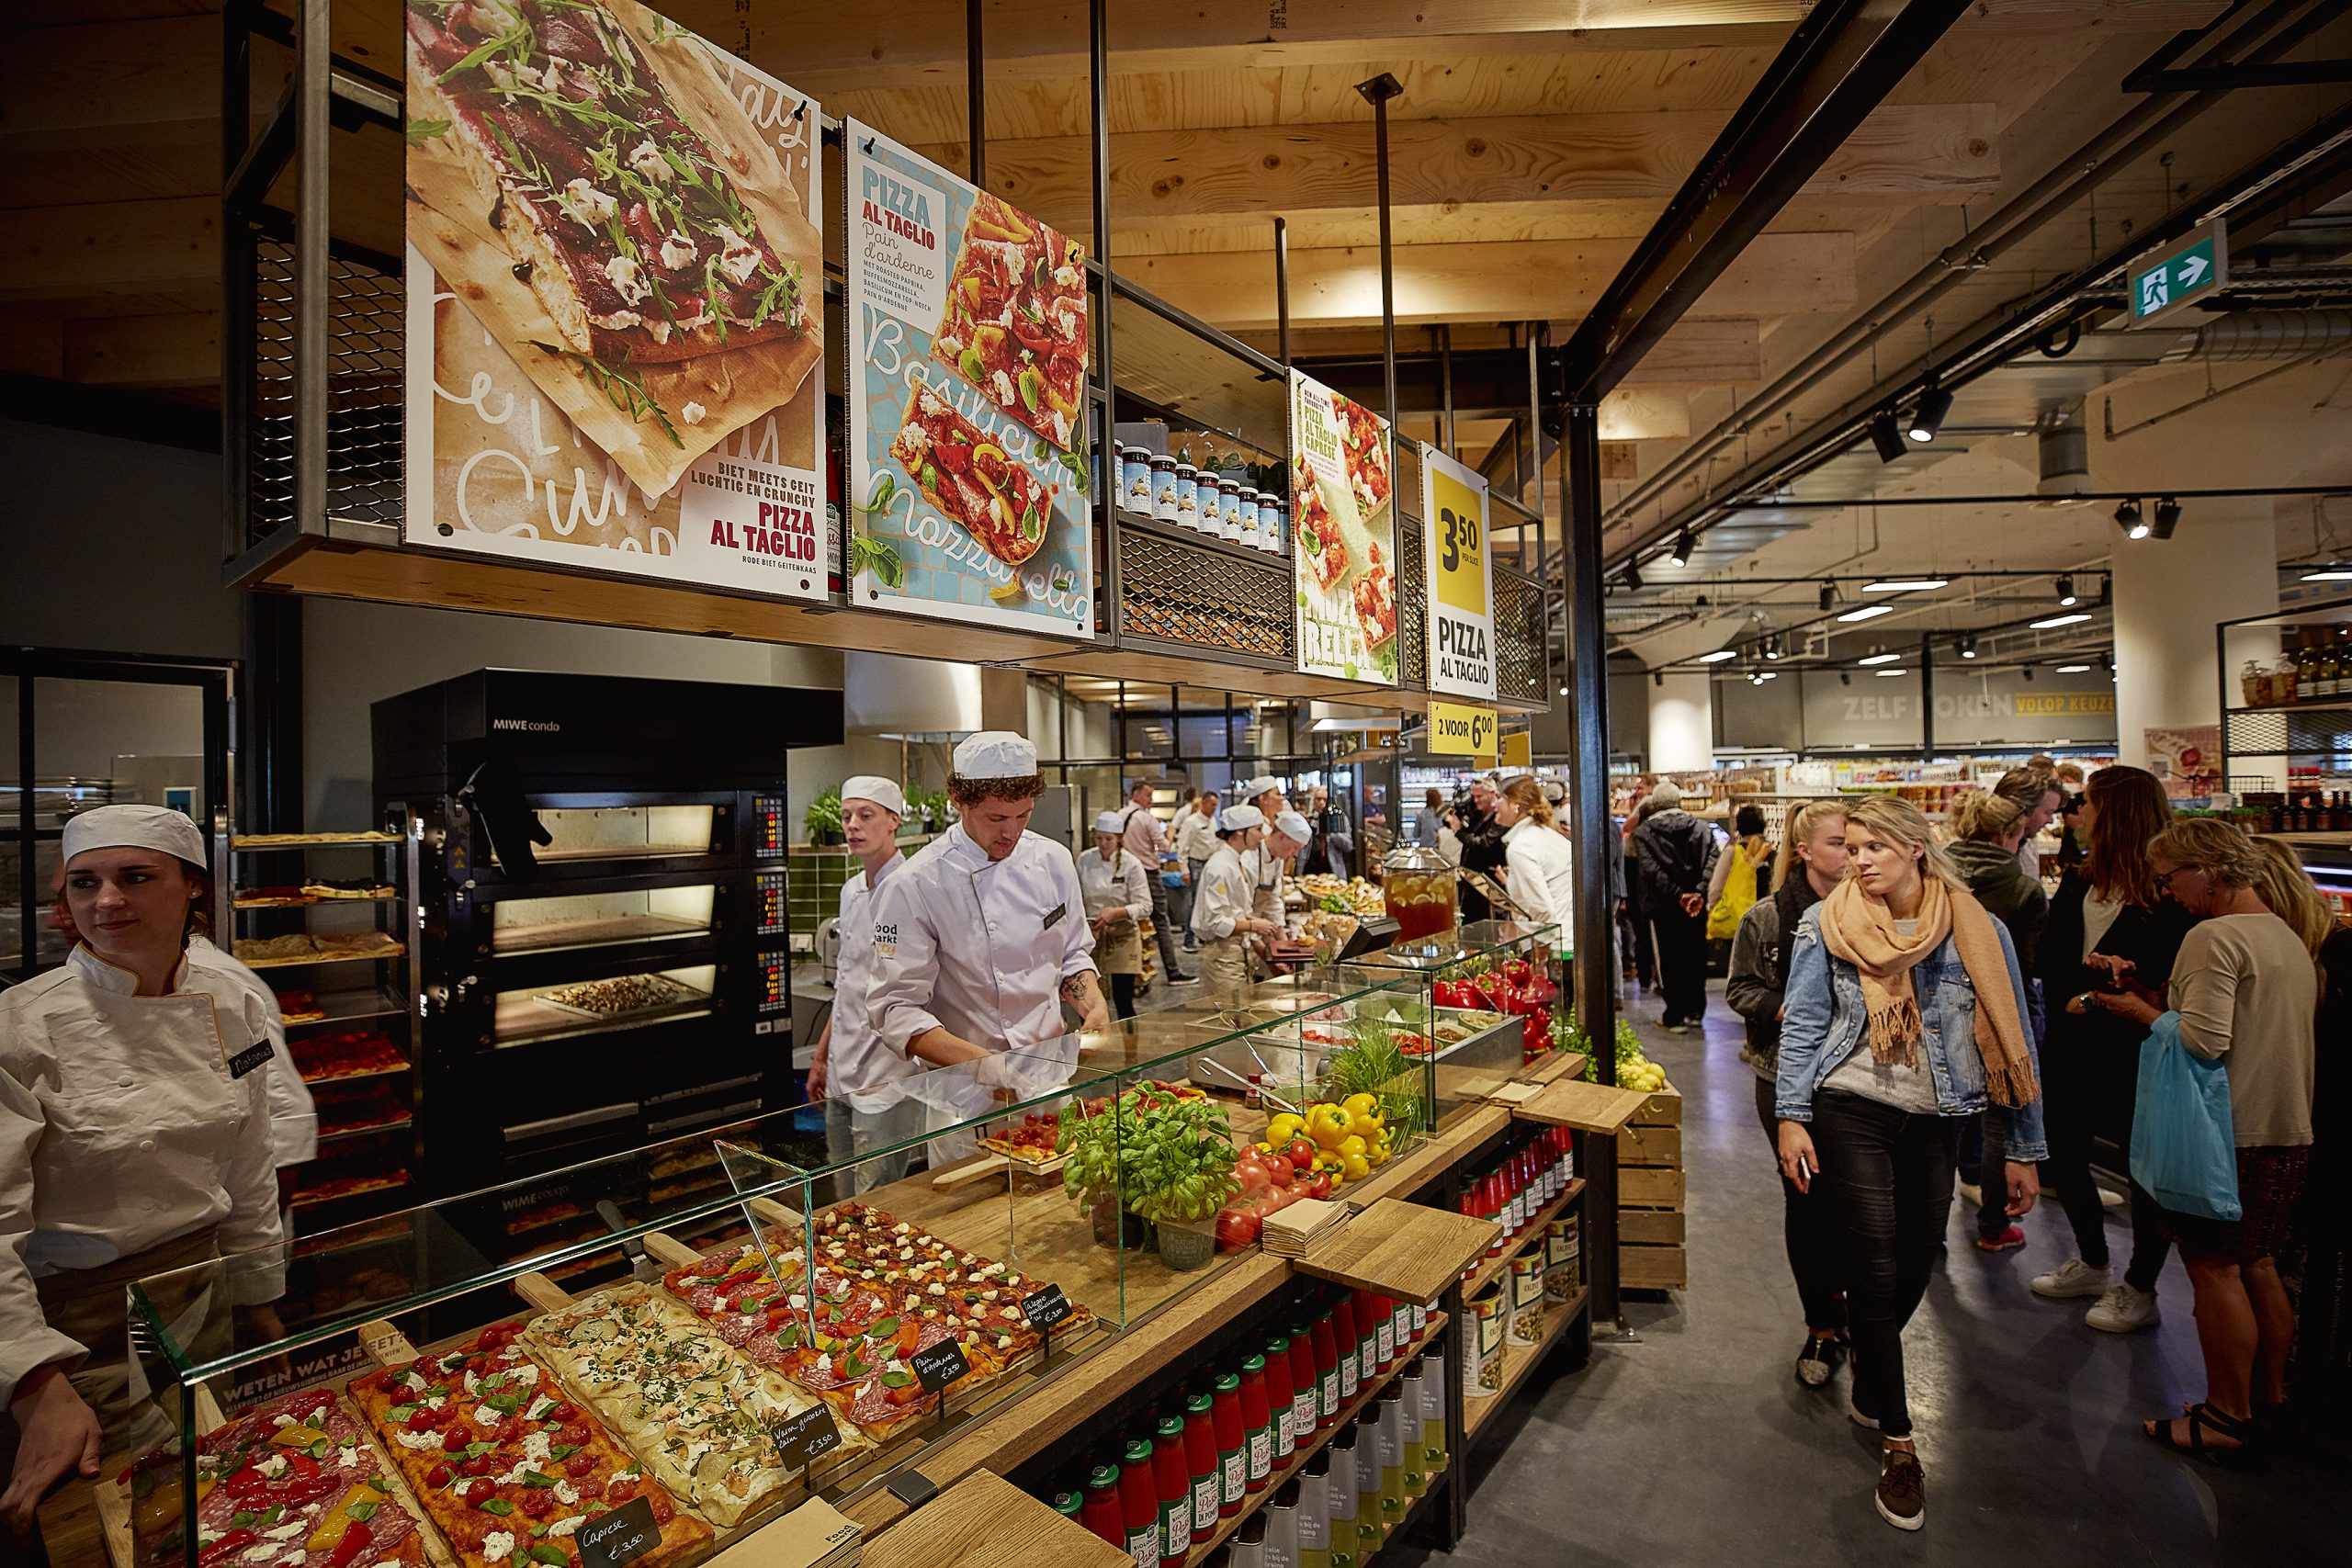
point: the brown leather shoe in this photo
(1902, 1491)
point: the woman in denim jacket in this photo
(1906, 1009)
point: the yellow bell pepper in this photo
(296, 1437)
(1327, 1124)
(338, 1518)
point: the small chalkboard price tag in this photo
(808, 1436)
(246, 1060)
(939, 1366)
(1046, 1308)
(626, 1534)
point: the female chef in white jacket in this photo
(134, 1141)
(1543, 880)
(1221, 919)
(1117, 899)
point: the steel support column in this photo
(1378, 92)
(976, 70)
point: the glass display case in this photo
(707, 1330)
(1486, 991)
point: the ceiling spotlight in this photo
(1845, 677)
(1878, 658)
(1563, 691)
(2128, 518)
(2029, 673)
(1904, 585)
(1867, 611)
(1968, 645)
(1885, 436)
(2168, 518)
(2072, 618)
(1684, 543)
(1829, 596)
(2073, 669)
(1719, 656)
(1631, 577)
(2067, 595)
(1772, 646)
(2332, 572)
(1928, 418)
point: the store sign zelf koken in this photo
(1343, 524)
(1463, 729)
(2194, 268)
(967, 430)
(1461, 609)
(617, 365)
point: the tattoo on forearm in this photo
(1074, 988)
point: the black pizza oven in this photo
(605, 958)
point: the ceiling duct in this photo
(2268, 334)
(2065, 454)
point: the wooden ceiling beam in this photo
(173, 350)
(1943, 150)
(150, 83)
(112, 247)
(1779, 274)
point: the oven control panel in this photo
(769, 838)
(774, 921)
(774, 971)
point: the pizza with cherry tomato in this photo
(1363, 441)
(1317, 530)
(505, 1464)
(1015, 320)
(968, 476)
(1375, 599)
(295, 1483)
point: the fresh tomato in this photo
(580, 1466)
(437, 1477)
(574, 1434)
(454, 1440)
(564, 1412)
(1236, 1229)
(1253, 1174)
(537, 1501)
(1302, 1153)
(419, 1420)
(1319, 1188)
(478, 1465)
(662, 1511)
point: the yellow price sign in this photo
(1456, 560)
(1460, 729)
(1519, 749)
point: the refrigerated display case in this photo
(1486, 993)
(603, 884)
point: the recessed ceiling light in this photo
(2072, 618)
(2329, 574)
(1719, 656)
(1768, 674)
(1883, 674)
(2073, 669)
(1904, 585)
(1879, 659)
(1867, 612)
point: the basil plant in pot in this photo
(1153, 1157)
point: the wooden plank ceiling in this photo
(1534, 142)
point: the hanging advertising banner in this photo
(968, 412)
(1461, 591)
(615, 318)
(1344, 525)
(1460, 729)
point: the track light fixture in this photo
(1968, 645)
(2066, 589)
(2168, 518)
(1772, 646)
(1684, 543)
(1935, 403)
(2128, 518)
(1631, 577)
(1886, 438)
(1828, 597)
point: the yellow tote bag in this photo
(1739, 893)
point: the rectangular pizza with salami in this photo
(1000, 503)
(1014, 324)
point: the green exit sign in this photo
(2195, 268)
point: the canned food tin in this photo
(1188, 495)
(1163, 487)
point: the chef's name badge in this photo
(1054, 918)
(246, 1060)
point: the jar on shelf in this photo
(1420, 890)
(1163, 486)
(1134, 480)
(1188, 495)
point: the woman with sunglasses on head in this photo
(2108, 908)
(2246, 991)
(135, 1141)
(1906, 1009)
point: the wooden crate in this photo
(1648, 1187)
(1663, 1108)
(1650, 1227)
(1653, 1268)
(1649, 1145)
(1650, 1235)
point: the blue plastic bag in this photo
(2184, 1151)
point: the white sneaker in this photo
(1969, 1193)
(2124, 1310)
(2108, 1198)
(2071, 1279)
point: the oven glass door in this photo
(588, 833)
(595, 920)
(599, 1006)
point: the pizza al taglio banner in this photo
(615, 315)
(1344, 525)
(1461, 589)
(968, 414)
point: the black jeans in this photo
(1123, 995)
(1163, 928)
(1637, 944)
(1809, 1229)
(2093, 1086)
(1682, 965)
(1890, 1176)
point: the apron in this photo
(1119, 948)
(1225, 969)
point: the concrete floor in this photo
(1698, 1445)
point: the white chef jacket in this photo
(978, 947)
(121, 1128)
(1265, 870)
(1543, 879)
(1118, 883)
(866, 1072)
(1196, 835)
(293, 1116)
(1222, 900)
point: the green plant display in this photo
(1376, 1065)
(1164, 1158)
(824, 814)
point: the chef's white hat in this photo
(1109, 822)
(1234, 818)
(880, 791)
(1259, 786)
(135, 827)
(1291, 826)
(995, 754)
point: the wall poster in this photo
(1343, 520)
(2189, 761)
(1461, 598)
(615, 316)
(969, 329)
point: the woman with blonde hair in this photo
(1543, 881)
(2246, 993)
(1905, 1008)
(2287, 890)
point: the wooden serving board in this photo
(1586, 1107)
(984, 1521)
(1405, 1250)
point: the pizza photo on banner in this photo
(1461, 589)
(967, 414)
(615, 312)
(1344, 525)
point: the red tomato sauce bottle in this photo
(1232, 1430)
(1100, 1512)
(1201, 1463)
(1257, 1423)
(1174, 1483)
(1139, 1504)
(1280, 1406)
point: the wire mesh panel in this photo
(365, 373)
(1412, 606)
(1519, 638)
(1212, 601)
(269, 433)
